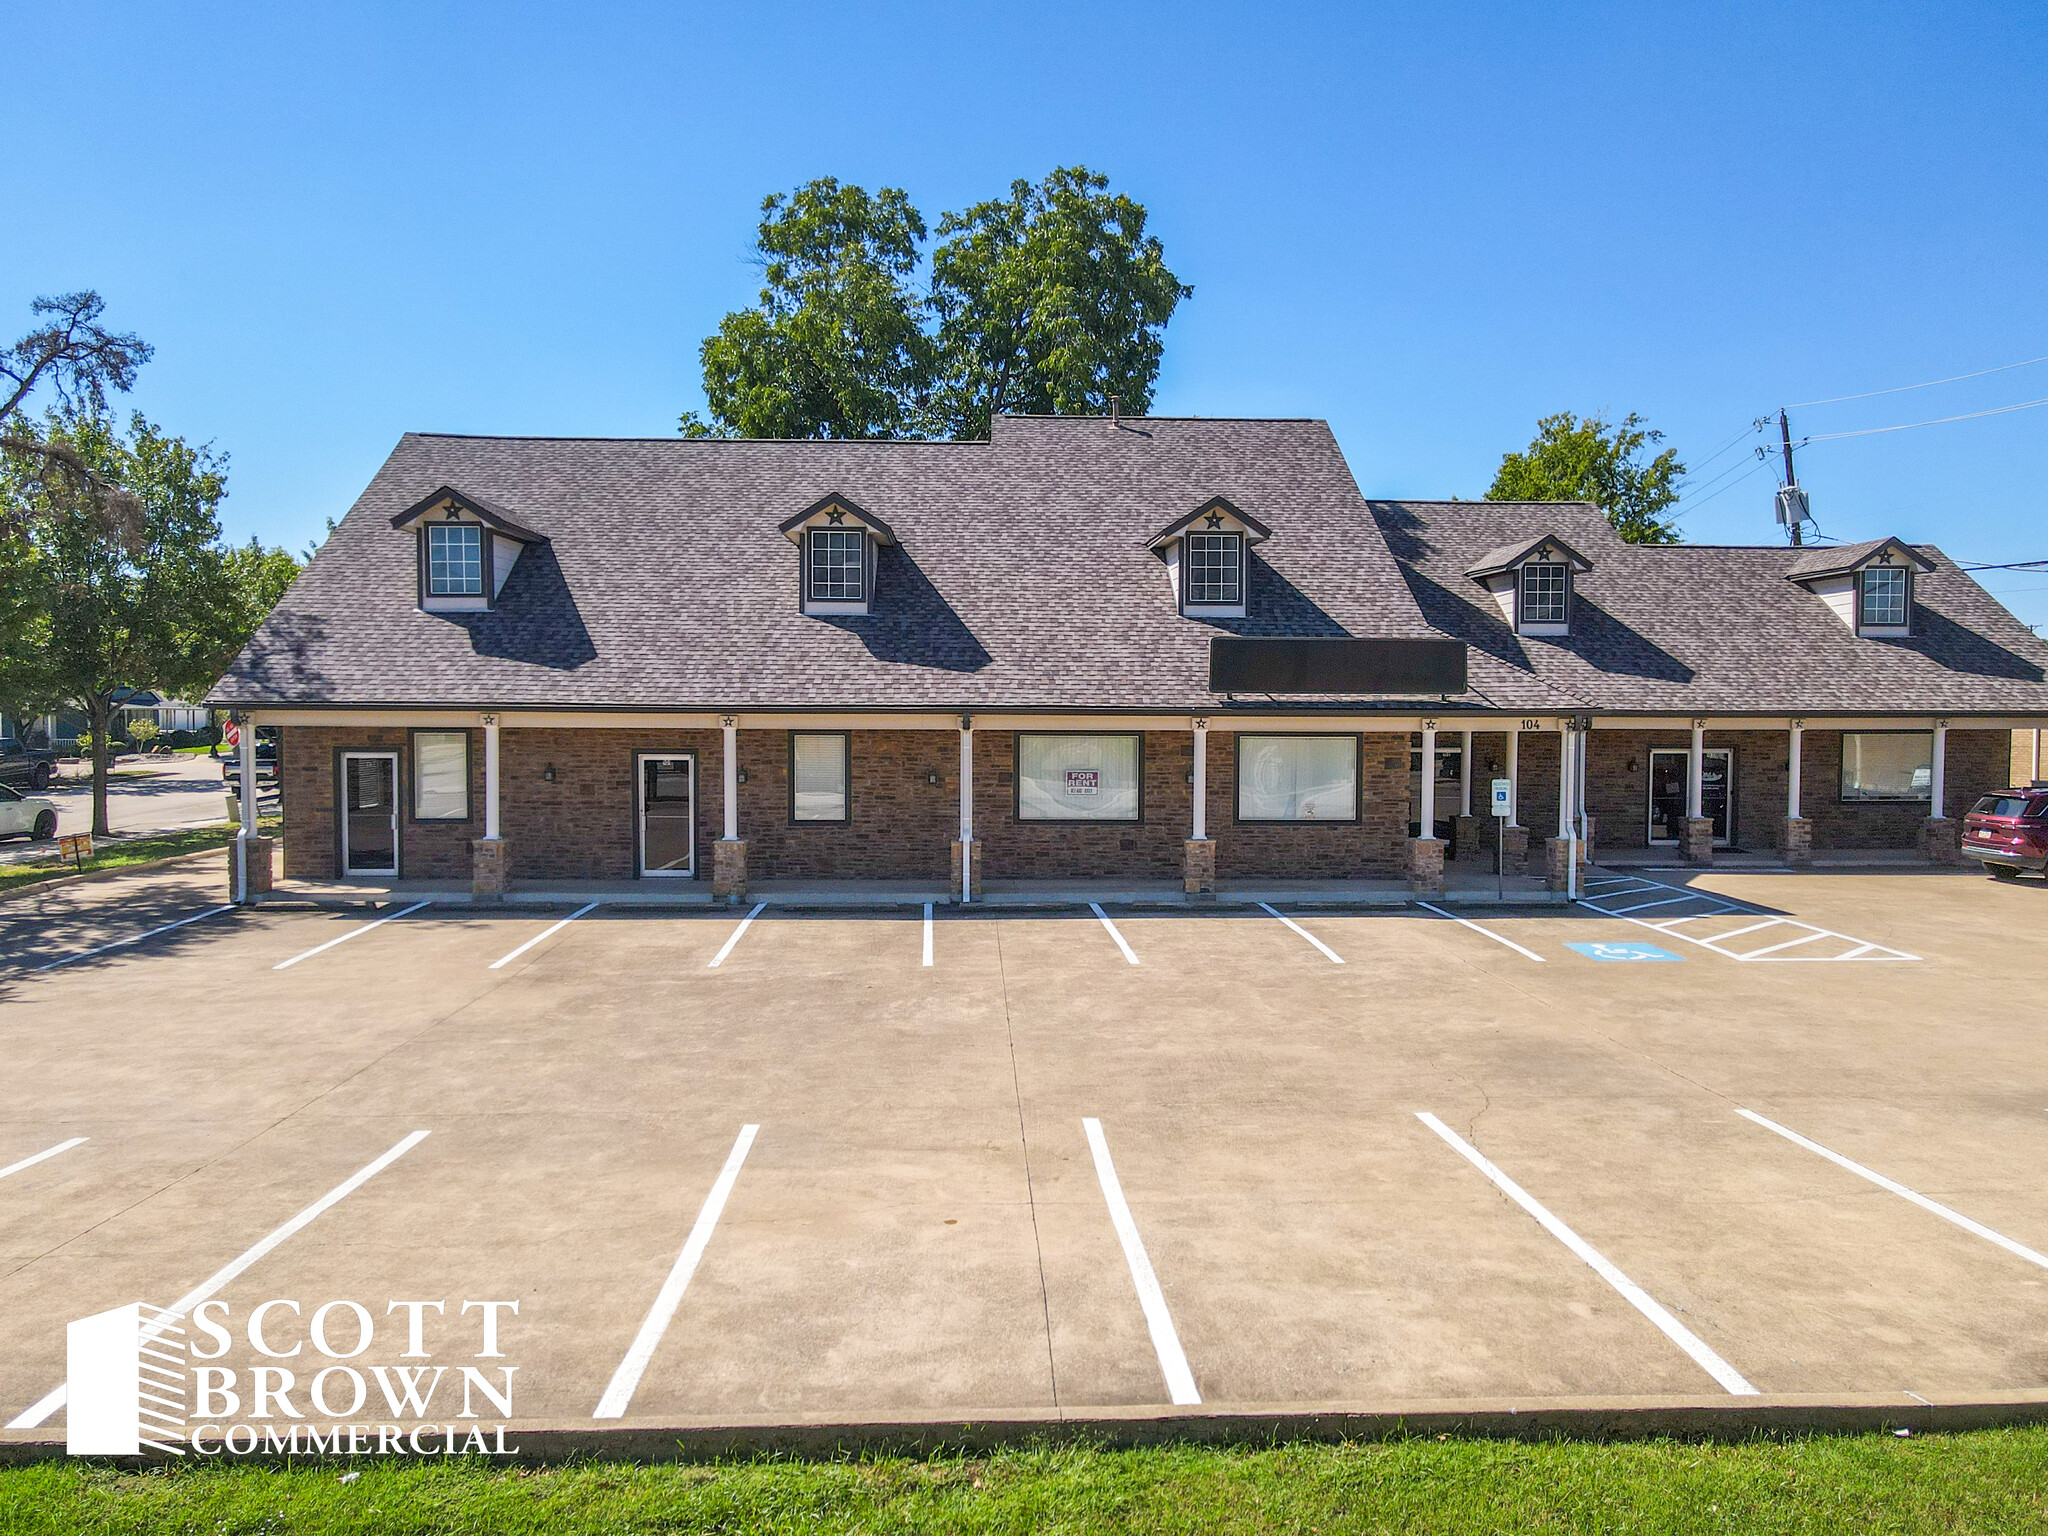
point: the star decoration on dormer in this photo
(1213, 520)
(835, 516)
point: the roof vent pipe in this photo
(1115, 410)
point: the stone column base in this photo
(490, 868)
(1426, 866)
(1557, 863)
(257, 860)
(1586, 841)
(729, 869)
(1198, 866)
(1696, 840)
(1469, 843)
(1940, 840)
(1514, 850)
(973, 851)
(1798, 848)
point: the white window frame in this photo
(1017, 806)
(1865, 624)
(475, 530)
(821, 601)
(1526, 620)
(1191, 583)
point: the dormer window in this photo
(467, 548)
(1546, 591)
(1886, 599)
(1869, 586)
(455, 560)
(1215, 569)
(837, 546)
(1207, 554)
(1532, 583)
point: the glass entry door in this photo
(369, 814)
(1668, 767)
(667, 794)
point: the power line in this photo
(2002, 410)
(1902, 388)
(1695, 490)
(1759, 464)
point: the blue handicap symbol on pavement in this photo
(1624, 952)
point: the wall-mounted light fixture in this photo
(932, 777)
(548, 773)
(743, 775)
(1631, 765)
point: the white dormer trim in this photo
(500, 540)
(1843, 589)
(836, 515)
(1214, 532)
(1505, 573)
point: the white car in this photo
(27, 815)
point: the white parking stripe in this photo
(353, 933)
(1466, 922)
(1668, 901)
(1934, 1207)
(626, 1379)
(927, 933)
(745, 922)
(30, 1162)
(545, 933)
(1772, 949)
(1173, 1362)
(101, 949)
(1096, 908)
(1632, 1293)
(1335, 958)
(31, 1417)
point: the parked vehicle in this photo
(2008, 832)
(266, 763)
(26, 767)
(27, 815)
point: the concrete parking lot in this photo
(854, 1165)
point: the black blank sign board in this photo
(1336, 666)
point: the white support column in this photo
(2035, 776)
(1201, 828)
(490, 776)
(1937, 805)
(246, 752)
(1514, 772)
(1563, 779)
(1428, 826)
(731, 765)
(966, 783)
(1796, 733)
(1464, 773)
(1695, 772)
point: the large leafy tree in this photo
(72, 356)
(161, 603)
(1052, 299)
(1592, 459)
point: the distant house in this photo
(522, 659)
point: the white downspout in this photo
(966, 810)
(246, 750)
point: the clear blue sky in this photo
(1428, 224)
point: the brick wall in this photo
(1148, 849)
(581, 827)
(1373, 846)
(900, 825)
(308, 773)
(1977, 763)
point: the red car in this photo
(2008, 832)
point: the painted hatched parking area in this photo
(1734, 929)
(965, 1163)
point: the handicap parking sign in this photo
(1623, 952)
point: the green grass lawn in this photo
(1991, 1480)
(120, 855)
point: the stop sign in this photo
(231, 733)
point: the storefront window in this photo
(817, 776)
(1297, 778)
(440, 776)
(1078, 778)
(1887, 765)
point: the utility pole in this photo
(1785, 436)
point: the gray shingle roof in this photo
(1020, 580)
(1692, 628)
(1839, 559)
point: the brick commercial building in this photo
(1085, 650)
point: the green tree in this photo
(1591, 459)
(834, 348)
(78, 360)
(1048, 301)
(1052, 299)
(164, 606)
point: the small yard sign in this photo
(1502, 788)
(1624, 952)
(77, 847)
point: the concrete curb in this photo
(1587, 1419)
(77, 878)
